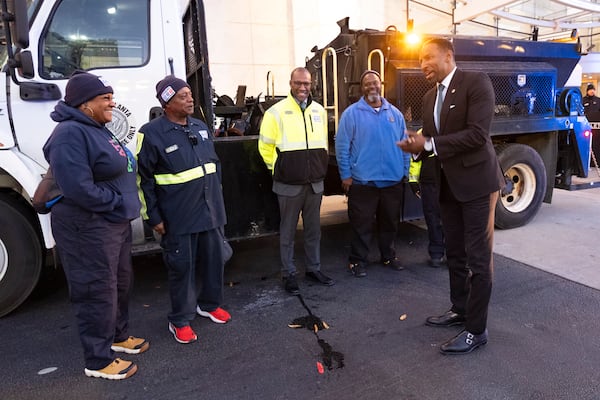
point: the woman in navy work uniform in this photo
(91, 224)
(180, 180)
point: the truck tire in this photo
(525, 176)
(20, 255)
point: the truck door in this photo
(108, 39)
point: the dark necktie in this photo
(438, 106)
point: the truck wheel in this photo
(525, 177)
(20, 255)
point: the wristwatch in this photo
(428, 146)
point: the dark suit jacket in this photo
(463, 145)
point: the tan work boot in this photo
(116, 370)
(132, 345)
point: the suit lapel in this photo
(450, 97)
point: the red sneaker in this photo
(184, 335)
(219, 315)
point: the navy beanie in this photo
(83, 86)
(168, 87)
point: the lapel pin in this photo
(453, 91)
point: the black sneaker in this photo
(290, 285)
(393, 263)
(357, 269)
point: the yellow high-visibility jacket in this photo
(293, 143)
(414, 171)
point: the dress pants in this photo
(96, 258)
(189, 257)
(307, 202)
(370, 206)
(469, 232)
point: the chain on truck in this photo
(540, 133)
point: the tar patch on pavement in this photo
(314, 324)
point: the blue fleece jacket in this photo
(95, 173)
(365, 144)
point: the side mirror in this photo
(24, 63)
(21, 25)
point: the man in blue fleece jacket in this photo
(372, 169)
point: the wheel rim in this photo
(523, 181)
(3, 260)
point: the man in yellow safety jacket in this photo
(293, 144)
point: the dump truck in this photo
(135, 43)
(541, 136)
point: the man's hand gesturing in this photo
(414, 143)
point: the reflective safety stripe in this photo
(138, 146)
(186, 176)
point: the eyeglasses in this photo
(298, 83)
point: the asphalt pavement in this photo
(544, 341)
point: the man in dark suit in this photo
(457, 118)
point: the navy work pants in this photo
(188, 257)
(96, 258)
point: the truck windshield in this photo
(86, 34)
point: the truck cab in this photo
(132, 44)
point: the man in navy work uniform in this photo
(180, 182)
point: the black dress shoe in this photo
(318, 276)
(449, 318)
(290, 285)
(463, 343)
